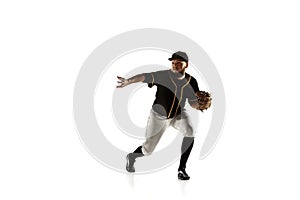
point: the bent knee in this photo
(189, 132)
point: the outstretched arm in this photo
(124, 82)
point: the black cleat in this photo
(182, 175)
(130, 162)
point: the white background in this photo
(255, 46)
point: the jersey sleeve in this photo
(151, 78)
(193, 88)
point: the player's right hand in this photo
(122, 82)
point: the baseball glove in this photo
(204, 100)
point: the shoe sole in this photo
(181, 177)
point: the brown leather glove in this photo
(204, 100)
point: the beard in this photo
(176, 73)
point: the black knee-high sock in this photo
(186, 148)
(138, 152)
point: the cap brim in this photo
(170, 59)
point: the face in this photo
(178, 66)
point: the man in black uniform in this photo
(174, 87)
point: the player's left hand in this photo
(203, 100)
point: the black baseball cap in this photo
(180, 55)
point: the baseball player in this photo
(174, 87)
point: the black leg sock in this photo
(186, 148)
(138, 152)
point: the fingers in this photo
(121, 78)
(121, 85)
(120, 82)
